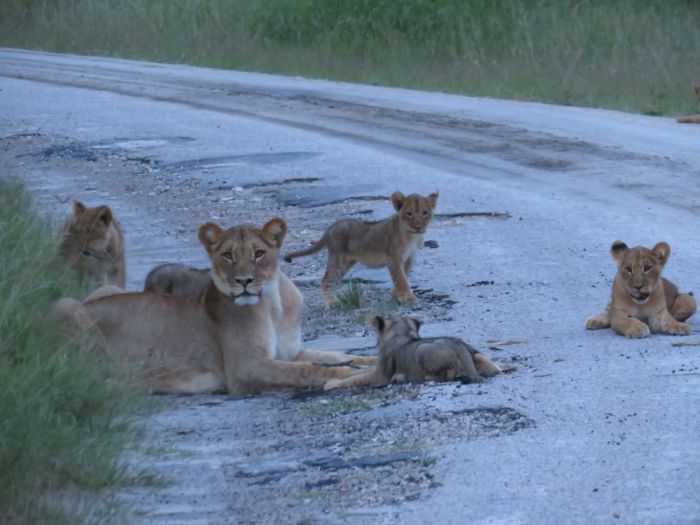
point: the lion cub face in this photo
(415, 210)
(86, 237)
(388, 328)
(243, 258)
(639, 269)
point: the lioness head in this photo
(389, 327)
(639, 269)
(415, 210)
(243, 258)
(86, 236)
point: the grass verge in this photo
(62, 408)
(634, 55)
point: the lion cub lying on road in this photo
(405, 356)
(93, 244)
(392, 242)
(641, 298)
(243, 335)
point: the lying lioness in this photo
(642, 300)
(405, 356)
(392, 242)
(242, 335)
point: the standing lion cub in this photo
(392, 242)
(643, 301)
(405, 356)
(93, 245)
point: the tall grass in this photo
(62, 424)
(635, 55)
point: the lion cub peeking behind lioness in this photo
(405, 356)
(392, 242)
(643, 301)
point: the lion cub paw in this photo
(637, 331)
(405, 297)
(680, 329)
(597, 322)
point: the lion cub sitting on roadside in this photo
(392, 242)
(692, 119)
(405, 356)
(93, 245)
(642, 300)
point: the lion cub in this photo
(692, 119)
(177, 279)
(405, 356)
(392, 242)
(93, 244)
(642, 300)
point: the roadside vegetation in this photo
(63, 410)
(633, 55)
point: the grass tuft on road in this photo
(634, 55)
(62, 408)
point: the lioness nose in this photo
(638, 286)
(244, 282)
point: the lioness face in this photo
(85, 237)
(639, 268)
(415, 210)
(243, 258)
(389, 327)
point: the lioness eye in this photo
(228, 256)
(425, 212)
(628, 269)
(259, 253)
(647, 269)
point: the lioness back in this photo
(93, 245)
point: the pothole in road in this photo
(298, 180)
(226, 161)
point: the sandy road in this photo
(591, 427)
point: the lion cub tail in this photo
(315, 247)
(484, 365)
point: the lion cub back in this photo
(93, 245)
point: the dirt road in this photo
(590, 428)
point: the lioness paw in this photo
(637, 331)
(597, 322)
(332, 384)
(680, 329)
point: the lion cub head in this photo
(639, 268)
(388, 328)
(415, 210)
(244, 259)
(87, 237)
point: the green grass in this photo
(62, 408)
(635, 55)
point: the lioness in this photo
(93, 245)
(405, 356)
(692, 119)
(642, 300)
(177, 279)
(392, 242)
(243, 335)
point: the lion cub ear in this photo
(210, 234)
(416, 324)
(104, 215)
(275, 230)
(662, 251)
(397, 200)
(378, 323)
(618, 250)
(432, 199)
(78, 207)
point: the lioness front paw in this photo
(364, 360)
(597, 322)
(637, 331)
(332, 384)
(680, 329)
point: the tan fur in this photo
(93, 245)
(177, 279)
(405, 356)
(392, 242)
(643, 301)
(692, 119)
(243, 335)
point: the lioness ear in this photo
(618, 250)
(275, 230)
(397, 199)
(432, 199)
(378, 323)
(210, 234)
(78, 207)
(662, 251)
(416, 324)
(104, 215)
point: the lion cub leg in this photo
(665, 323)
(402, 289)
(334, 358)
(601, 320)
(683, 307)
(337, 267)
(628, 326)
